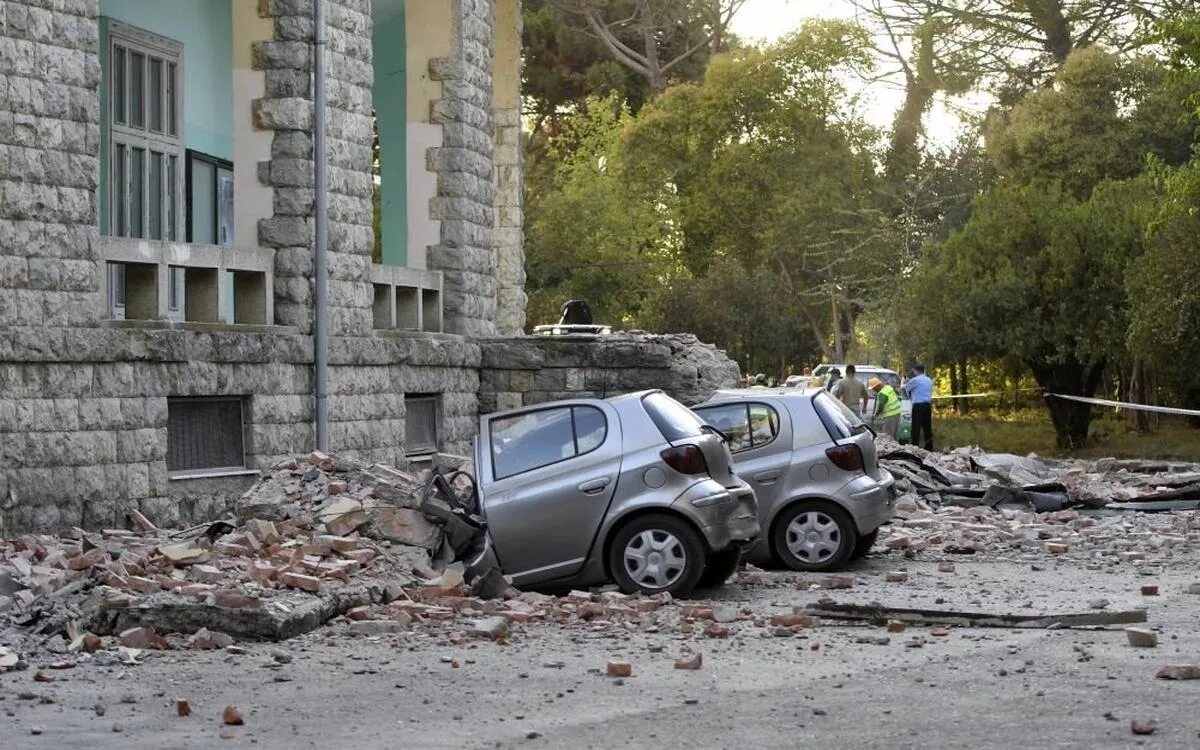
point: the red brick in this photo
(339, 543)
(360, 556)
(143, 638)
(144, 585)
(89, 559)
(299, 581)
(617, 668)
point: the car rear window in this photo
(674, 420)
(837, 418)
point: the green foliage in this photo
(1101, 119)
(592, 234)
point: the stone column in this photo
(508, 236)
(286, 109)
(464, 202)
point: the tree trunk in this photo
(955, 388)
(1071, 419)
(964, 382)
(1137, 395)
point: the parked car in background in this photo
(864, 373)
(822, 495)
(635, 489)
(795, 381)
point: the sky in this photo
(767, 20)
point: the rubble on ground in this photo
(312, 538)
(967, 501)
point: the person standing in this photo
(887, 406)
(851, 392)
(834, 376)
(920, 390)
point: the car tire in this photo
(680, 561)
(720, 568)
(833, 536)
(864, 545)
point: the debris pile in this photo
(310, 540)
(967, 502)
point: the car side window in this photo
(764, 424)
(524, 442)
(745, 425)
(733, 422)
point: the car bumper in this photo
(726, 516)
(871, 501)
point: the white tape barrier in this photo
(1125, 405)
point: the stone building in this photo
(156, 245)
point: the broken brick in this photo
(232, 716)
(690, 661)
(1180, 672)
(143, 638)
(618, 668)
(301, 581)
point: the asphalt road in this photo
(973, 688)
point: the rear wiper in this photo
(866, 426)
(715, 431)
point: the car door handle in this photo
(594, 486)
(767, 477)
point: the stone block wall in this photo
(49, 167)
(518, 371)
(464, 164)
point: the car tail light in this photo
(846, 457)
(686, 459)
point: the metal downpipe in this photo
(321, 226)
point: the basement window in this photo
(422, 415)
(205, 436)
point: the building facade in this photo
(157, 242)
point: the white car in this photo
(864, 373)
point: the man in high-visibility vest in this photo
(887, 405)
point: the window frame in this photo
(177, 473)
(123, 138)
(191, 156)
(571, 408)
(424, 449)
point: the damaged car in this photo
(635, 490)
(822, 494)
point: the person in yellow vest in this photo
(887, 406)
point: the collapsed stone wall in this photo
(528, 370)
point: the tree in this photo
(771, 168)
(1036, 273)
(653, 37)
(590, 233)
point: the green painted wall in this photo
(391, 97)
(205, 27)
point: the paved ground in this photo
(975, 688)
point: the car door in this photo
(761, 452)
(546, 478)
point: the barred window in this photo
(421, 421)
(205, 434)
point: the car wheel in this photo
(721, 566)
(814, 535)
(656, 553)
(864, 545)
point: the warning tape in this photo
(1127, 405)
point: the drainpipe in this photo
(321, 218)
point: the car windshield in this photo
(674, 420)
(837, 417)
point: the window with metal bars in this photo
(144, 134)
(422, 417)
(205, 434)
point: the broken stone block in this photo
(232, 599)
(489, 627)
(206, 574)
(1137, 726)
(690, 661)
(945, 567)
(263, 531)
(896, 626)
(143, 638)
(1056, 548)
(896, 576)
(1141, 637)
(837, 582)
(1180, 672)
(618, 668)
(716, 630)
(206, 640)
(407, 527)
(182, 553)
(1193, 588)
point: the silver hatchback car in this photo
(822, 495)
(635, 489)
